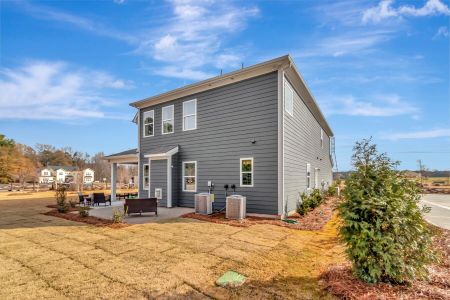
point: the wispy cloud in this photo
(350, 43)
(49, 13)
(385, 10)
(414, 135)
(380, 106)
(55, 91)
(441, 32)
(193, 38)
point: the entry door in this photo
(316, 177)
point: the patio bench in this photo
(141, 205)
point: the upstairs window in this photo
(308, 176)
(148, 123)
(146, 177)
(321, 138)
(190, 115)
(288, 98)
(246, 166)
(167, 119)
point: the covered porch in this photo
(128, 157)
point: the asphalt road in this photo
(440, 209)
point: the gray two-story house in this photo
(258, 128)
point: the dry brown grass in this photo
(46, 257)
(51, 194)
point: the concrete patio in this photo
(164, 213)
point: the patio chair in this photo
(81, 198)
(101, 198)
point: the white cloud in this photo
(194, 38)
(425, 134)
(48, 13)
(381, 106)
(384, 10)
(54, 91)
(442, 31)
(346, 44)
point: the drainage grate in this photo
(231, 279)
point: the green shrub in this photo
(84, 211)
(386, 236)
(332, 190)
(61, 199)
(73, 204)
(118, 215)
(310, 201)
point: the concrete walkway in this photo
(164, 213)
(440, 209)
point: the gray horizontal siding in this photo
(158, 179)
(302, 146)
(228, 118)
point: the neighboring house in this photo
(258, 128)
(65, 174)
(46, 176)
(88, 176)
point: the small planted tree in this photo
(61, 199)
(386, 236)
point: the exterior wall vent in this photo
(236, 207)
(203, 204)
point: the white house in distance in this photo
(64, 174)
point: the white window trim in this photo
(143, 125)
(173, 120)
(288, 85)
(241, 172)
(143, 177)
(308, 168)
(161, 193)
(321, 137)
(316, 178)
(194, 114)
(182, 177)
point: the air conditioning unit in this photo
(203, 203)
(236, 207)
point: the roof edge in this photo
(221, 80)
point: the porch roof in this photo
(125, 157)
(167, 150)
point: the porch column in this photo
(113, 181)
(169, 181)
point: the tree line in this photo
(21, 163)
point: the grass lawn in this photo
(47, 257)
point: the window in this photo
(148, 123)
(189, 176)
(190, 115)
(321, 138)
(246, 166)
(167, 119)
(158, 193)
(146, 177)
(308, 176)
(288, 98)
(316, 178)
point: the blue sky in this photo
(377, 68)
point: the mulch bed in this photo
(88, 220)
(340, 281)
(314, 220)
